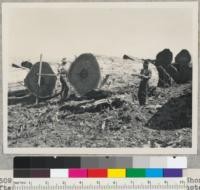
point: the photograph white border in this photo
(105, 151)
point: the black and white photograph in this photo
(100, 78)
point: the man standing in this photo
(145, 75)
(63, 79)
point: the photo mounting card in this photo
(100, 78)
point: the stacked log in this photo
(163, 63)
(183, 58)
(27, 64)
(164, 58)
(183, 66)
(180, 72)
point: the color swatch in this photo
(59, 173)
(78, 173)
(172, 172)
(135, 172)
(97, 173)
(116, 173)
(154, 172)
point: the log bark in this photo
(92, 105)
(120, 72)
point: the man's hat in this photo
(64, 59)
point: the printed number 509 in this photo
(5, 180)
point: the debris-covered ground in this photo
(108, 117)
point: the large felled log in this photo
(183, 65)
(163, 61)
(173, 72)
(47, 84)
(164, 58)
(27, 64)
(183, 58)
(133, 67)
(17, 89)
(84, 73)
(181, 71)
(23, 99)
(165, 79)
(18, 93)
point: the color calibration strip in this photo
(100, 162)
(98, 173)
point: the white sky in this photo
(64, 32)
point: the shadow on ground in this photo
(175, 114)
(92, 95)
